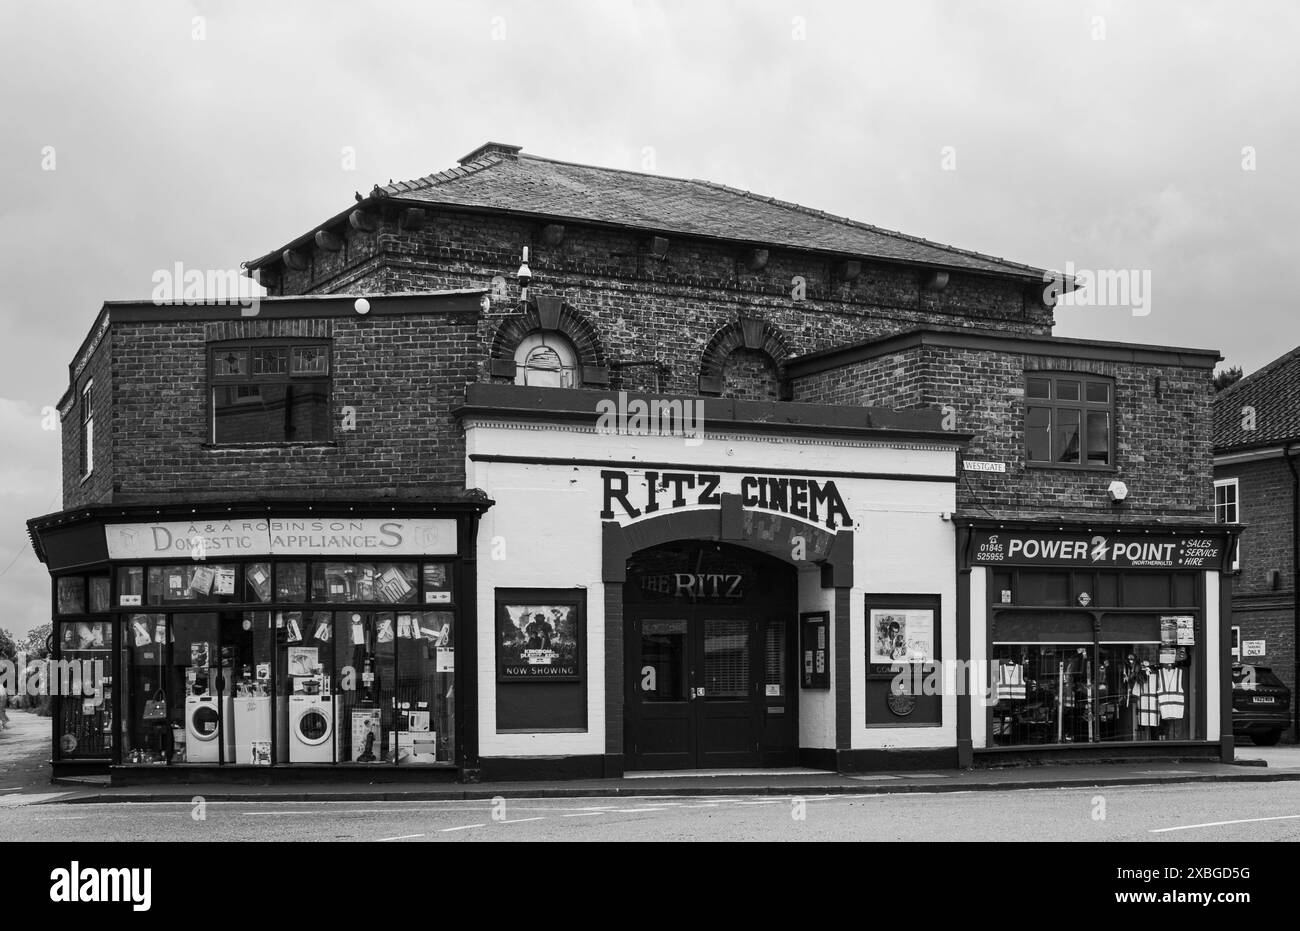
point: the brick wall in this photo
(1161, 438)
(1262, 610)
(1264, 506)
(401, 375)
(98, 486)
(666, 310)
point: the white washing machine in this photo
(204, 733)
(312, 728)
(253, 729)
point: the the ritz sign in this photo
(805, 498)
(695, 585)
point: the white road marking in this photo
(709, 805)
(1219, 824)
(402, 837)
(463, 827)
(585, 814)
(521, 820)
(765, 801)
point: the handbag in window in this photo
(155, 709)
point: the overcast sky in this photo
(1154, 136)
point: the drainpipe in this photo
(1295, 587)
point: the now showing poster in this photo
(538, 641)
(901, 636)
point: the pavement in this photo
(24, 780)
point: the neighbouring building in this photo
(529, 468)
(1257, 483)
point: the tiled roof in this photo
(502, 178)
(1274, 394)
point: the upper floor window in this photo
(546, 360)
(1226, 509)
(1225, 500)
(87, 429)
(1069, 420)
(270, 392)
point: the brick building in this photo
(1256, 437)
(529, 468)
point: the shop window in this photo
(84, 709)
(274, 393)
(365, 655)
(154, 703)
(1107, 594)
(366, 686)
(247, 652)
(1069, 420)
(1148, 590)
(1001, 590)
(1061, 693)
(87, 435)
(291, 581)
(437, 583)
(1045, 588)
(191, 583)
(99, 594)
(547, 360)
(71, 594)
(348, 582)
(257, 582)
(130, 586)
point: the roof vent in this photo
(491, 148)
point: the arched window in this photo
(547, 360)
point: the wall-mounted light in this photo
(525, 277)
(1118, 491)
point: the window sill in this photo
(1068, 467)
(286, 444)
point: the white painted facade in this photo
(544, 531)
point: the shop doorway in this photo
(711, 656)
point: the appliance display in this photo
(252, 723)
(204, 733)
(311, 728)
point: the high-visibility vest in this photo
(1011, 682)
(1148, 707)
(1170, 693)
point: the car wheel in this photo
(1266, 738)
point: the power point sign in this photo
(1105, 550)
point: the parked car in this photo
(1261, 704)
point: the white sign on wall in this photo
(976, 465)
(1252, 648)
(283, 536)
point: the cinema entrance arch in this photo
(708, 633)
(705, 609)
